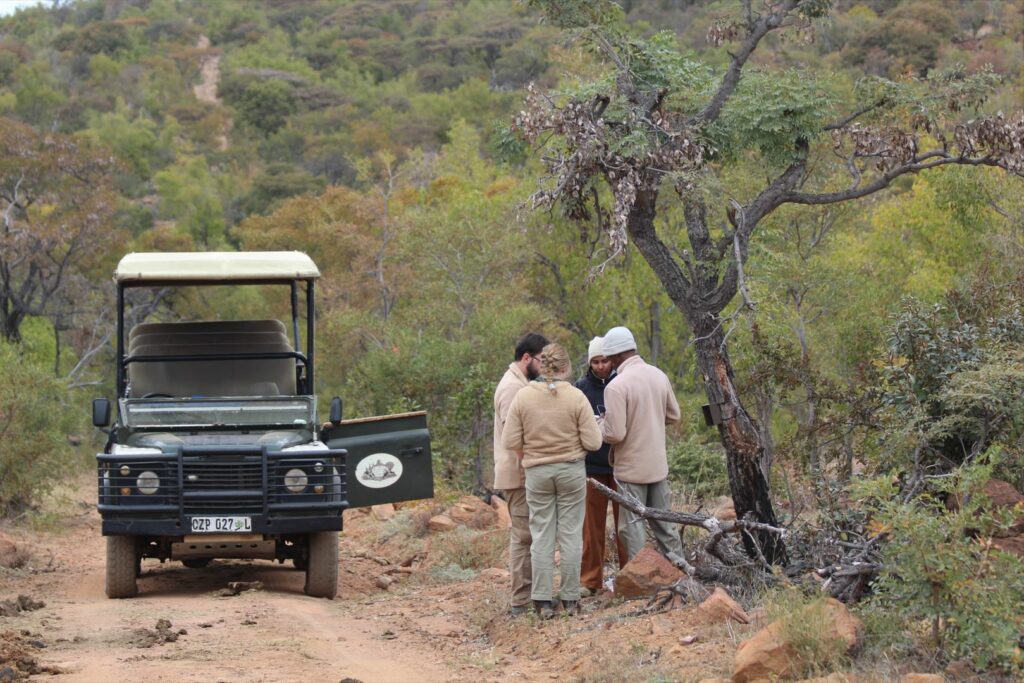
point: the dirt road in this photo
(272, 634)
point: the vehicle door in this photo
(388, 458)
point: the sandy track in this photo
(273, 634)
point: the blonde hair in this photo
(554, 364)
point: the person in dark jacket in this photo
(599, 373)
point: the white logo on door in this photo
(379, 470)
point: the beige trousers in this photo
(631, 526)
(557, 494)
(519, 547)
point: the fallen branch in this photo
(712, 525)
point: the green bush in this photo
(940, 567)
(470, 549)
(698, 467)
(34, 452)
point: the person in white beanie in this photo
(639, 403)
(592, 384)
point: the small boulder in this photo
(1013, 545)
(724, 511)
(831, 678)
(923, 678)
(474, 513)
(645, 575)
(768, 655)
(1002, 495)
(384, 511)
(500, 507)
(719, 607)
(11, 556)
(440, 523)
(495, 574)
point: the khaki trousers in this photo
(556, 493)
(631, 526)
(594, 524)
(519, 547)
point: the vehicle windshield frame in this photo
(251, 404)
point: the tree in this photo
(655, 120)
(56, 208)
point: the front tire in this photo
(122, 565)
(322, 568)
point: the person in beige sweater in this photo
(552, 426)
(508, 471)
(639, 403)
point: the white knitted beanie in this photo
(596, 348)
(617, 340)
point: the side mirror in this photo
(335, 417)
(101, 412)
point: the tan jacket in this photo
(639, 402)
(551, 427)
(508, 473)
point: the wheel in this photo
(322, 569)
(122, 562)
(197, 563)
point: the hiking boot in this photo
(545, 608)
(587, 592)
(571, 607)
(518, 610)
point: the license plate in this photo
(221, 525)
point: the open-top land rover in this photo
(216, 450)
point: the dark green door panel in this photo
(388, 458)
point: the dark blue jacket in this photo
(593, 389)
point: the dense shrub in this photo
(698, 467)
(941, 567)
(34, 452)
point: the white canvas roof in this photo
(215, 266)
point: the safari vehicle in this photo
(216, 450)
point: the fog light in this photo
(319, 488)
(125, 470)
(148, 483)
(319, 467)
(295, 480)
(125, 491)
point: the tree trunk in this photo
(740, 436)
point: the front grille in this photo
(222, 484)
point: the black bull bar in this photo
(298, 490)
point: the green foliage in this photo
(34, 419)
(189, 194)
(469, 549)
(771, 112)
(698, 467)
(266, 105)
(940, 566)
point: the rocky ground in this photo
(421, 598)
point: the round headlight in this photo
(148, 483)
(295, 480)
(125, 470)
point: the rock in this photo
(767, 654)
(383, 582)
(495, 574)
(923, 678)
(1002, 495)
(439, 523)
(500, 506)
(724, 510)
(1013, 545)
(645, 574)
(11, 556)
(474, 513)
(719, 607)
(960, 670)
(713, 680)
(383, 512)
(831, 678)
